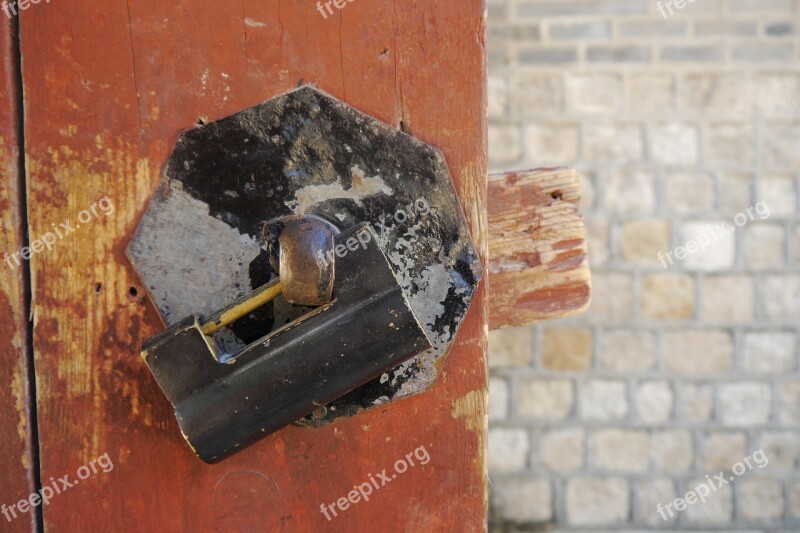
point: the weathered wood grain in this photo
(108, 87)
(16, 448)
(538, 268)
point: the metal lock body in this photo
(365, 330)
(303, 154)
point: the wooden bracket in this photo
(538, 269)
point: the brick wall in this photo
(676, 124)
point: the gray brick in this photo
(534, 92)
(550, 8)
(763, 246)
(744, 404)
(539, 55)
(526, 32)
(505, 142)
(618, 54)
(597, 501)
(777, 94)
(690, 8)
(651, 92)
(737, 6)
(725, 28)
(592, 93)
(508, 33)
(780, 29)
(778, 192)
(511, 449)
(580, 30)
(780, 145)
(735, 192)
(780, 297)
(497, 12)
(726, 94)
(612, 297)
(757, 53)
(524, 500)
(499, 34)
(759, 500)
(498, 58)
(691, 54)
(731, 145)
(652, 28)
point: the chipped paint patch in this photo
(434, 283)
(68, 131)
(472, 408)
(362, 187)
(254, 23)
(20, 398)
(221, 246)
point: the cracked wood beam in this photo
(17, 477)
(538, 269)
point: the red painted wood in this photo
(108, 87)
(16, 457)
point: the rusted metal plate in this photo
(108, 88)
(197, 249)
(537, 245)
(16, 457)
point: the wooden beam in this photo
(108, 87)
(16, 441)
(538, 268)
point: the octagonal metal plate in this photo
(199, 245)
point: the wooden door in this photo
(107, 87)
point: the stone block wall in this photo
(683, 118)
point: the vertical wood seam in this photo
(37, 518)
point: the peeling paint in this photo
(472, 408)
(254, 23)
(185, 215)
(363, 186)
(20, 397)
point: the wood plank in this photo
(108, 87)
(16, 459)
(538, 267)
